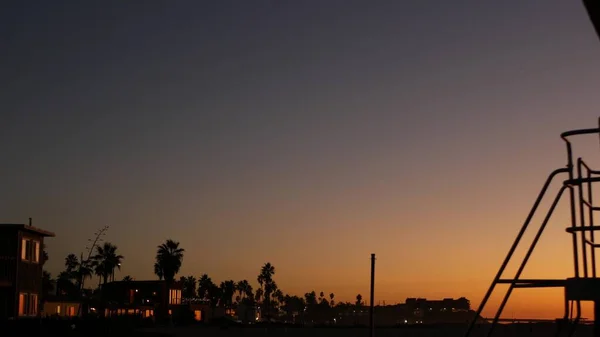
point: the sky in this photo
(308, 134)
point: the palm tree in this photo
(278, 296)
(71, 263)
(204, 286)
(310, 300)
(169, 257)
(265, 279)
(258, 295)
(189, 286)
(127, 278)
(65, 285)
(76, 271)
(98, 271)
(245, 290)
(84, 270)
(107, 257)
(158, 271)
(228, 290)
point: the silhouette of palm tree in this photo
(204, 286)
(83, 271)
(127, 278)
(245, 290)
(189, 286)
(228, 290)
(76, 271)
(107, 257)
(265, 279)
(158, 270)
(71, 263)
(169, 257)
(98, 271)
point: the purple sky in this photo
(304, 133)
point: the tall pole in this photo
(372, 303)
(596, 318)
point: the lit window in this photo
(23, 249)
(36, 252)
(58, 309)
(22, 304)
(30, 250)
(28, 304)
(70, 311)
(174, 296)
(198, 315)
(33, 304)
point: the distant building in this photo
(57, 306)
(21, 269)
(144, 298)
(447, 304)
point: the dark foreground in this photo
(128, 328)
(516, 330)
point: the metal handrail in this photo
(527, 256)
(514, 245)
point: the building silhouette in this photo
(21, 255)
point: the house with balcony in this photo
(21, 269)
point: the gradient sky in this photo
(304, 133)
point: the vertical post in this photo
(596, 318)
(372, 303)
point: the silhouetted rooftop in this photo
(27, 228)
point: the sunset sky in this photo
(308, 134)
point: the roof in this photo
(27, 228)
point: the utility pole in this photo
(372, 303)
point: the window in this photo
(24, 250)
(70, 311)
(58, 309)
(22, 304)
(30, 250)
(36, 252)
(28, 304)
(33, 304)
(174, 296)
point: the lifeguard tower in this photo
(578, 181)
